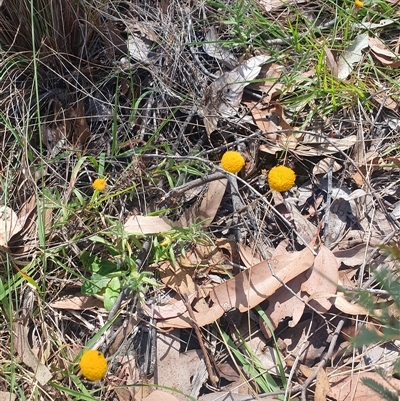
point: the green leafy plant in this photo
(116, 267)
(389, 281)
(115, 271)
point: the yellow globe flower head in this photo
(281, 178)
(358, 3)
(232, 161)
(93, 365)
(99, 184)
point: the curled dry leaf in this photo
(387, 57)
(223, 96)
(216, 50)
(347, 307)
(25, 353)
(9, 225)
(211, 201)
(325, 165)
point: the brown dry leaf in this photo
(211, 202)
(185, 372)
(322, 386)
(354, 256)
(223, 96)
(325, 165)
(270, 5)
(352, 388)
(322, 279)
(248, 256)
(123, 394)
(158, 395)
(351, 55)
(304, 227)
(247, 289)
(147, 225)
(284, 304)
(6, 396)
(270, 88)
(331, 62)
(78, 302)
(25, 353)
(383, 54)
(81, 127)
(178, 279)
(335, 145)
(9, 225)
(252, 286)
(173, 309)
(347, 307)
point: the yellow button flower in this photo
(281, 178)
(358, 3)
(93, 365)
(99, 184)
(232, 161)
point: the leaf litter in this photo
(292, 256)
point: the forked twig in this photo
(323, 361)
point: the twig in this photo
(327, 237)
(195, 326)
(323, 361)
(179, 191)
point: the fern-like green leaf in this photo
(380, 389)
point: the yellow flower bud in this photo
(93, 365)
(281, 178)
(232, 161)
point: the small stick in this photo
(212, 376)
(323, 361)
